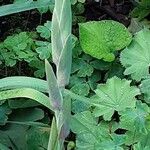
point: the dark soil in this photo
(109, 9)
(27, 21)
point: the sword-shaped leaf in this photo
(27, 93)
(53, 139)
(54, 92)
(20, 7)
(23, 82)
(61, 40)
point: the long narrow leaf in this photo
(20, 7)
(23, 82)
(53, 139)
(65, 129)
(64, 66)
(34, 83)
(54, 92)
(29, 123)
(27, 93)
(61, 40)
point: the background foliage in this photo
(110, 71)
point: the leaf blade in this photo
(19, 7)
(27, 93)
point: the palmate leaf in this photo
(116, 70)
(145, 89)
(135, 117)
(83, 122)
(39, 67)
(94, 136)
(81, 89)
(115, 95)
(136, 57)
(45, 31)
(27, 93)
(62, 40)
(102, 38)
(21, 136)
(85, 126)
(114, 144)
(17, 47)
(144, 144)
(133, 137)
(100, 65)
(44, 49)
(82, 68)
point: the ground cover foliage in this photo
(74, 75)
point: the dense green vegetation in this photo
(78, 78)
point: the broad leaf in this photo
(115, 70)
(81, 89)
(102, 38)
(93, 136)
(135, 118)
(113, 144)
(83, 122)
(37, 138)
(74, 79)
(115, 95)
(144, 144)
(22, 103)
(4, 112)
(14, 136)
(82, 68)
(145, 89)
(27, 115)
(136, 57)
(133, 136)
(100, 64)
